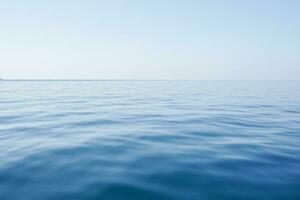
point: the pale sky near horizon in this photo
(153, 39)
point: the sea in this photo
(149, 140)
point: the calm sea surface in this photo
(138, 140)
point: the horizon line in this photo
(55, 79)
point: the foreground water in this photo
(149, 140)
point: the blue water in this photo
(132, 140)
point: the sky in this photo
(150, 39)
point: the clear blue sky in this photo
(153, 39)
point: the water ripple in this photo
(149, 140)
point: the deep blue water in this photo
(132, 140)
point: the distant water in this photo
(193, 140)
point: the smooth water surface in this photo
(132, 140)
